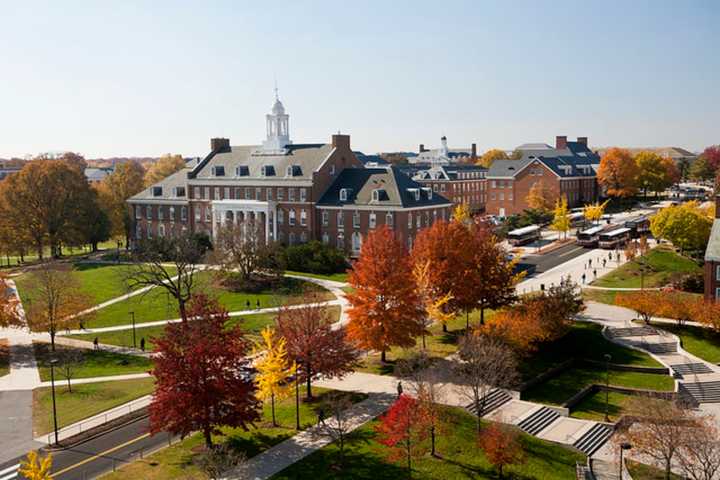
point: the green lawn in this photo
(559, 389)
(592, 407)
(584, 340)
(702, 342)
(662, 267)
(157, 305)
(337, 277)
(458, 457)
(95, 363)
(641, 471)
(177, 461)
(85, 401)
(4, 357)
(252, 324)
(13, 260)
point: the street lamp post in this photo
(623, 446)
(132, 315)
(297, 402)
(608, 357)
(53, 363)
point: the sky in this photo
(143, 78)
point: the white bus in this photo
(524, 235)
(577, 218)
(614, 238)
(590, 237)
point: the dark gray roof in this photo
(571, 161)
(365, 159)
(362, 182)
(168, 184)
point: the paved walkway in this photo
(109, 378)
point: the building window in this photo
(248, 193)
(280, 217)
(218, 171)
(138, 231)
(356, 219)
(341, 242)
(280, 194)
(291, 194)
(179, 191)
(325, 219)
(242, 171)
(340, 223)
(372, 220)
(717, 293)
(343, 194)
(208, 214)
(138, 213)
(197, 213)
(149, 232)
(226, 193)
(291, 217)
(161, 212)
(418, 221)
(510, 196)
(291, 238)
(717, 272)
(303, 194)
(216, 193)
(171, 216)
(332, 169)
(268, 192)
(258, 193)
(442, 187)
(493, 184)
(206, 193)
(502, 196)
(161, 230)
(492, 196)
(409, 220)
(303, 217)
(148, 212)
(356, 241)
(410, 242)
(325, 238)
(303, 236)
(389, 219)
(183, 214)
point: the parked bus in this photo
(614, 238)
(576, 219)
(590, 237)
(639, 226)
(524, 235)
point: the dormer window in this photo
(179, 191)
(428, 191)
(218, 171)
(415, 192)
(293, 171)
(345, 194)
(378, 195)
(267, 171)
(242, 171)
(157, 191)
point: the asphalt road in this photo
(536, 264)
(100, 455)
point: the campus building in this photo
(459, 183)
(569, 169)
(293, 192)
(712, 258)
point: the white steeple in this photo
(277, 124)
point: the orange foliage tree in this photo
(646, 304)
(403, 430)
(385, 309)
(618, 173)
(678, 305)
(501, 444)
(708, 313)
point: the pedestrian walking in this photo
(399, 389)
(142, 344)
(247, 304)
(257, 304)
(321, 416)
(594, 274)
(95, 343)
(590, 262)
(82, 327)
(583, 278)
(604, 262)
(610, 256)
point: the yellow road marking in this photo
(101, 454)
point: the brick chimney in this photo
(560, 142)
(473, 151)
(217, 144)
(582, 140)
(422, 148)
(341, 141)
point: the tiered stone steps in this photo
(660, 348)
(495, 399)
(643, 331)
(702, 392)
(683, 369)
(539, 420)
(594, 438)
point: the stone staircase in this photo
(644, 331)
(702, 392)
(594, 438)
(658, 348)
(495, 399)
(539, 420)
(683, 369)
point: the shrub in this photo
(692, 282)
(315, 257)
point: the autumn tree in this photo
(461, 213)
(501, 445)
(56, 300)
(541, 197)
(169, 263)
(708, 313)
(125, 181)
(654, 173)
(239, 248)
(645, 303)
(200, 374)
(274, 369)
(70, 361)
(631, 250)
(218, 461)
(486, 363)
(701, 170)
(10, 315)
(561, 219)
(339, 423)
(313, 343)
(699, 454)
(618, 173)
(35, 467)
(490, 156)
(678, 305)
(712, 155)
(385, 310)
(434, 307)
(163, 168)
(403, 430)
(593, 212)
(687, 226)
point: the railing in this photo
(100, 419)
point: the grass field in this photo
(84, 401)
(641, 471)
(458, 457)
(662, 266)
(592, 407)
(95, 363)
(4, 357)
(177, 461)
(157, 305)
(702, 342)
(14, 260)
(336, 277)
(252, 324)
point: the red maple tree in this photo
(404, 430)
(501, 445)
(201, 375)
(312, 342)
(385, 307)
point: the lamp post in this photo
(53, 363)
(132, 315)
(623, 446)
(118, 250)
(608, 357)
(297, 401)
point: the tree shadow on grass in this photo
(257, 442)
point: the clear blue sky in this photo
(150, 77)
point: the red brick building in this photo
(461, 184)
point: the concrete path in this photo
(110, 378)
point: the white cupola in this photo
(277, 124)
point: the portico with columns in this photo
(264, 213)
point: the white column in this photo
(275, 238)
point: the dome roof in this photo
(278, 108)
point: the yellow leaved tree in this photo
(561, 220)
(593, 212)
(461, 213)
(541, 197)
(434, 304)
(274, 369)
(36, 467)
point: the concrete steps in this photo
(539, 420)
(495, 399)
(594, 438)
(683, 369)
(644, 331)
(702, 392)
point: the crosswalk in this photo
(10, 473)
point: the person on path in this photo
(142, 344)
(594, 274)
(399, 389)
(321, 416)
(604, 262)
(95, 343)
(583, 278)
(247, 304)
(590, 262)
(257, 304)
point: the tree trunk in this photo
(183, 311)
(482, 315)
(409, 458)
(467, 320)
(432, 440)
(208, 438)
(69, 387)
(382, 356)
(272, 408)
(308, 386)
(52, 340)
(445, 328)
